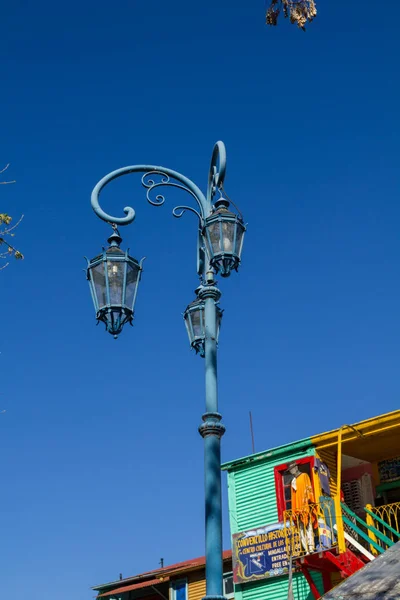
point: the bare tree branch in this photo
(2, 171)
(9, 229)
(6, 230)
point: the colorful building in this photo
(307, 515)
(181, 581)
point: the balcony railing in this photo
(310, 529)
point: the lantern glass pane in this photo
(228, 235)
(132, 274)
(187, 325)
(214, 237)
(115, 272)
(99, 281)
(239, 239)
(195, 316)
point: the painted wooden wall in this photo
(252, 503)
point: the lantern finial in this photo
(115, 239)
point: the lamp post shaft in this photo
(212, 430)
(213, 217)
(210, 346)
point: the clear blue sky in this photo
(101, 462)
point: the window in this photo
(228, 585)
(284, 479)
(179, 590)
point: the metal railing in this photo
(367, 531)
(314, 528)
(386, 521)
(310, 529)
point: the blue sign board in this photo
(259, 553)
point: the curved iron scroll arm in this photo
(148, 170)
(216, 175)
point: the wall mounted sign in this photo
(259, 553)
(389, 470)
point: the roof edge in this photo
(267, 454)
(170, 570)
(329, 438)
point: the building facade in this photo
(180, 581)
(306, 515)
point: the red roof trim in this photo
(194, 564)
(134, 586)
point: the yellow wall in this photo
(196, 580)
(329, 458)
(197, 585)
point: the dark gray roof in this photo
(378, 580)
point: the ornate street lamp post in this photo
(114, 276)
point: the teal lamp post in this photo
(114, 277)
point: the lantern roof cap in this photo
(222, 203)
(115, 239)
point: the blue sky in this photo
(101, 462)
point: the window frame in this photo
(226, 576)
(279, 487)
(173, 585)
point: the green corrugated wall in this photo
(276, 588)
(251, 489)
(252, 503)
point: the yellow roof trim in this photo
(367, 427)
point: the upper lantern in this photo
(113, 279)
(223, 233)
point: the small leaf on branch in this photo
(5, 218)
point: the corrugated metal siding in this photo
(196, 585)
(252, 493)
(276, 588)
(330, 458)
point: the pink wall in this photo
(356, 472)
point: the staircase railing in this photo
(314, 528)
(385, 519)
(367, 531)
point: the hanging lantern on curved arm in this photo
(300, 12)
(223, 233)
(113, 280)
(195, 323)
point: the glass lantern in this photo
(113, 280)
(223, 234)
(194, 316)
